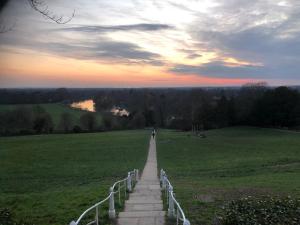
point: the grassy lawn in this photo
(51, 179)
(228, 164)
(55, 110)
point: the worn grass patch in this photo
(229, 164)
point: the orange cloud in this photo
(33, 69)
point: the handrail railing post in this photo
(119, 193)
(161, 175)
(125, 189)
(164, 182)
(136, 175)
(73, 223)
(186, 222)
(171, 211)
(97, 216)
(129, 188)
(111, 211)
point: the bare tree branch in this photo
(42, 8)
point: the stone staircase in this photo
(145, 206)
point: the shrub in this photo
(262, 211)
(88, 121)
(5, 217)
(66, 122)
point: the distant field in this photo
(228, 164)
(51, 179)
(55, 110)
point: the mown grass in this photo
(228, 164)
(52, 179)
(55, 110)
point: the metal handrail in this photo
(171, 200)
(127, 183)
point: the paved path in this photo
(145, 206)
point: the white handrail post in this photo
(73, 223)
(97, 216)
(161, 175)
(129, 188)
(171, 210)
(111, 211)
(164, 182)
(125, 189)
(186, 222)
(119, 192)
(136, 175)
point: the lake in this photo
(87, 105)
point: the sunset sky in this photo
(151, 43)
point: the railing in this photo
(126, 183)
(174, 209)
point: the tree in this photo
(138, 121)
(149, 117)
(246, 99)
(103, 102)
(162, 110)
(88, 121)
(17, 121)
(42, 120)
(107, 121)
(43, 123)
(41, 7)
(66, 121)
(278, 107)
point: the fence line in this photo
(125, 183)
(174, 209)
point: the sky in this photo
(151, 43)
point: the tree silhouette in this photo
(41, 7)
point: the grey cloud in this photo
(194, 56)
(190, 53)
(103, 50)
(221, 70)
(131, 27)
(99, 50)
(217, 69)
(255, 31)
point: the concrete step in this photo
(145, 198)
(143, 201)
(142, 221)
(143, 207)
(146, 193)
(148, 187)
(143, 214)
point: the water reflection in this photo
(88, 105)
(117, 111)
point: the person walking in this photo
(153, 133)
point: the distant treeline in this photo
(36, 120)
(208, 108)
(44, 95)
(175, 108)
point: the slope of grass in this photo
(55, 110)
(228, 164)
(51, 179)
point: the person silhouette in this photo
(153, 133)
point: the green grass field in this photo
(230, 163)
(55, 110)
(51, 179)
